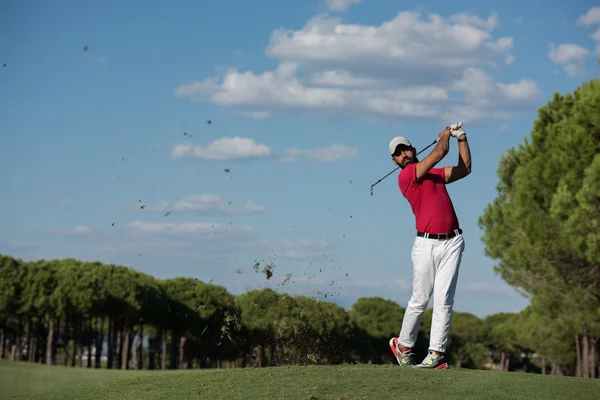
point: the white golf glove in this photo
(457, 130)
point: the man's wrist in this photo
(462, 138)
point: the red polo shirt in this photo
(429, 200)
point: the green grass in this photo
(348, 382)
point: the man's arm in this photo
(453, 174)
(436, 155)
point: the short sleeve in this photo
(439, 172)
(407, 177)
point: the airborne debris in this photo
(209, 122)
(267, 270)
(227, 170)
(168, 213)
(85, 48)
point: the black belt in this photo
(441, 236)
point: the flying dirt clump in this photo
(267, 270)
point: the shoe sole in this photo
(441, 366)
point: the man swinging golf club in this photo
(438, 246)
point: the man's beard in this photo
(409, 161)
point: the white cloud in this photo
(302, 249)
(407, 46)
(78, 230)
(341, 5)
(575, 70)
(206, 203)
(342, 79)
(408, 67)
(596, 37)
(65, 202)
(188, 228)
(566, 53)
(570, 55)
(466, 19)
(590, 18)
(488, 98)
(101, 59)
(256, 114)
(21, 244)
(227, 148)
(335, 152)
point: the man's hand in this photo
(458, 132)
(446, 133)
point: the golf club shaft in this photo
(395, 169)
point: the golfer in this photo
(438, 246)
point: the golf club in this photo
(453, 127)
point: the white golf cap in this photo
(396, 141)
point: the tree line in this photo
(94, 315)
(543, 229)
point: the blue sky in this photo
(303, 98)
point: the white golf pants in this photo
(435, 271)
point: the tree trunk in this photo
(19, 342)
(578, 351)
(120, 339)
(99, 341)
(140, 362)
(543, 366)
(116, 343)
(132, 335)
(506, 364)
(67, 336)
(2, 340)
(32, 350)
(13, 351)
(49, 343)
(163, 364)
(152, 341)
(585, 352)
(553, 371)
(125, 346)
(182, 341)
(75, 341)
(90, 339)
(29, 339)
(109, 339)
(174, 350)
(459, 363)
(502, 360)
(55, 340)
(592, 357)
(134, 356)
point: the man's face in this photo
(404, 156)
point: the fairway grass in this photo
(347, 382)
